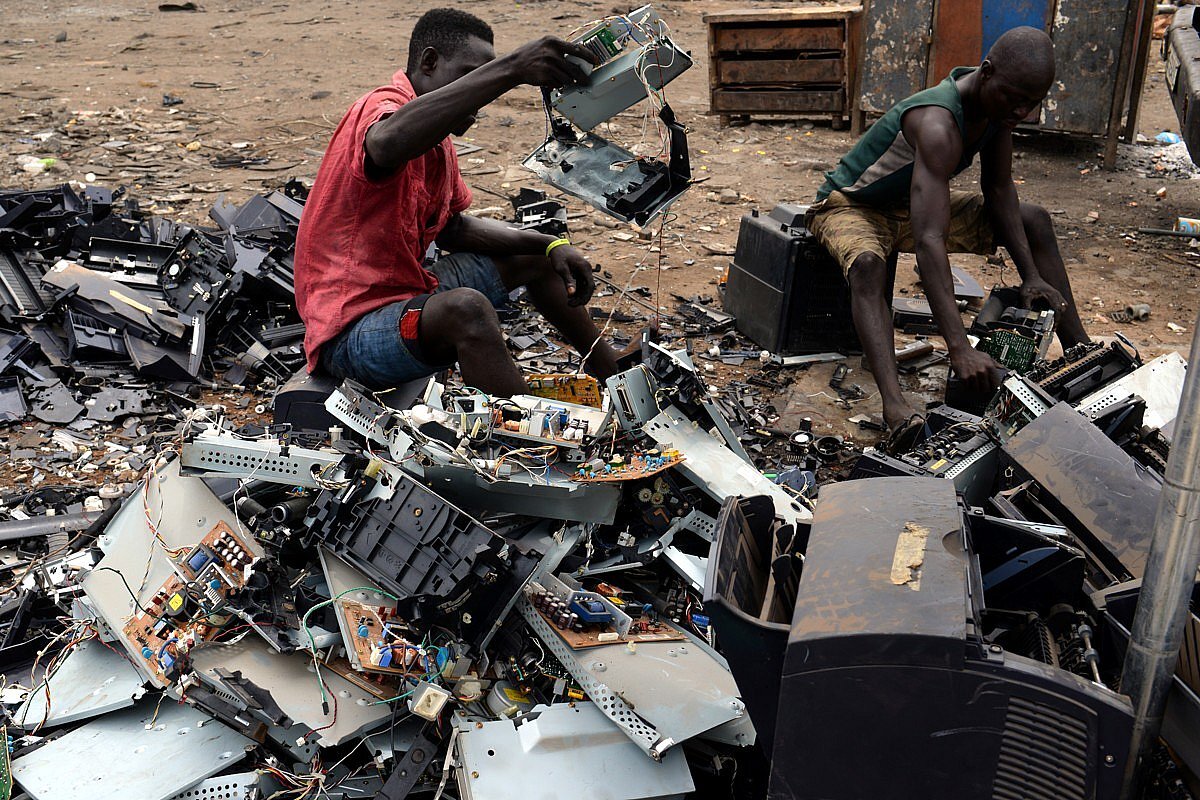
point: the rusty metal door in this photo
(1088, 35)
(896, 39)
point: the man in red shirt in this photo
(389, 187)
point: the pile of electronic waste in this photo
(587, 591)
(108, 312)
(591, 591)
(450, 594)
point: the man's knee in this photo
(1036, 221)
(468, 312)
(868, 275)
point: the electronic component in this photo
(610, 178)
(189, 608)
(1015, 337)
(569, 388)
(637, 59)
(787, 293)
(635, 56)
(1083, 480)
(428, 700)
(1011, 349)
(640, 464)
(888, 606)
(522, 418)
(1083, 369)
(962, 450)
(6, 781)
(660, 502)
(589, 619)
(379, 642)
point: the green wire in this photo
(312, 642)
(393, 699)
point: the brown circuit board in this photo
(224, 554)
(582, 390)
(637, 467)
(383, 687)
(356, 614)
(579, 640)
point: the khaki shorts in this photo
(848, 229)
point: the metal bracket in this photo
(238, 786)
(641, 732)
(224, 454)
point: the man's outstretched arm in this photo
(938, 145)
(1004, 210)
(419, 125)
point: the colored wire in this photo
(312, 642)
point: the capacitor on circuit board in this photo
(212, 593)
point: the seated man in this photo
(389, 187)
(891, 193)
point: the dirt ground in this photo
(263, 84)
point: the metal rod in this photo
(1120, 92)
(1167, 585)
(11, 530)
(1140, 56)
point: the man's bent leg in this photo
(461, 324)
(1039, 230)
(549, 297)
(868, 277)
(372, 352)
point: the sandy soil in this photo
(83, 82)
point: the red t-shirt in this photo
(361, 242)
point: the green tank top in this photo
(878, 169)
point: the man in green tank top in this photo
(891, 193)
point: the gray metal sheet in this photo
(187, 510)
(1087, 48)
(292, 684)
(236, 786)
(658, 693)
(118, 756)
(715, 468)
(91, 680)
(225, 454)
(1158, 382)
(564, 750)
(594, 169)
(895, 52)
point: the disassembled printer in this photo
(636, 60)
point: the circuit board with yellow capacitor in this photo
(188, 608)
(380, 646)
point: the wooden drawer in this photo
(767, 38)
(777, 71)
(765, 101)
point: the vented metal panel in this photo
(1043, 753)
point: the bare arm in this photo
(938, 145)
(1004, 210)
(1004, 207)
(419, 125)
(492, 237)
(935, 138)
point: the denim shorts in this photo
(372, 351)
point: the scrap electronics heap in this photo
(588, 591)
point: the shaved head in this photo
(1024, 56)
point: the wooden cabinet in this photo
(798, 61)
